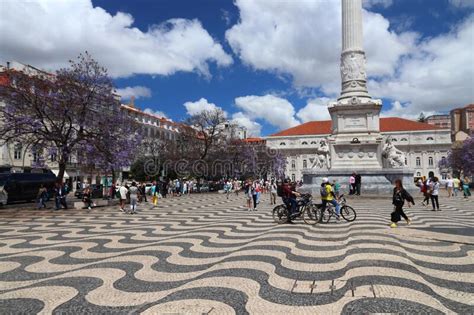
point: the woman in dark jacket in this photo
(398, 200)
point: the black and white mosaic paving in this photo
(207, 254)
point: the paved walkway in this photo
(206, 254)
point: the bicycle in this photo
(305, 207)
(347, 212)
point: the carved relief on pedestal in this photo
(353, 67)
(394, 157)
(323, 159)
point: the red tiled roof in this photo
(390, 124)
(253, 140)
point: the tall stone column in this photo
(353, 75)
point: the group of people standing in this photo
(60, 193)
(355, 183)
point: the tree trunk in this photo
(62, 169)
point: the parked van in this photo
(25, 186)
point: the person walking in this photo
(112, 191)
(134, 194)
(123, 196)
(248, 194)
(449, 186)
(352, 184)
(143, 192)
(60, 196)
(227, 188)
(358, 184)
(255, 194)
(456, 186)
(398, 201)
(434, 188)
(337, 188)
(327, 196)
(236, 186)
(465, 187)
(273, 192)
(42, 197)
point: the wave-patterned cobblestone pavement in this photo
(206, 254)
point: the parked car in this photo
(25, 186)
(3, 196)
(97, 191)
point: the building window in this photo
(418, 174)
(282, 143)
(305, 164)
(430, 161)
(304, 143)
(429, 139)
(293, 164)
(53, 157)
(314, 142)
(293, 177)
(17, 151)
(406, 161)
(418, 161)
(404, 139)
(394, 140)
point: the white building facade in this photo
(424, 145)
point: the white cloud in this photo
(254, 129)
(432, 74)
(304, 41)
(315, 109)
(275, 110)
(404, 111)
(381, 3)
(136, 91)
(462, 3)
(438, 77)
(155, 112)
(202, 104)
(47, 33)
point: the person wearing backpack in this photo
(398, 200)
(327, 196)
(289, 199)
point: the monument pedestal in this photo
(374, 182)
(355, 144)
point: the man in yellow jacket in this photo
(327, 196)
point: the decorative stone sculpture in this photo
(394, 157)
(322, 160)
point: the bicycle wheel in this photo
(280, 214)
(348, 213)
(311, 215)
(326, 216)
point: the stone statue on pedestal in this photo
(394, 157)
(323, 158)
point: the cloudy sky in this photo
(270, 64)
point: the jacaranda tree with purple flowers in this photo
(460, 159)
(70, 112)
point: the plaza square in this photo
(236, 157)
(206, 254)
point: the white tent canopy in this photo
(56, 172)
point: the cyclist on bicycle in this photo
(289, 198)
(328, 196)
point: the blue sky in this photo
(269, 64)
